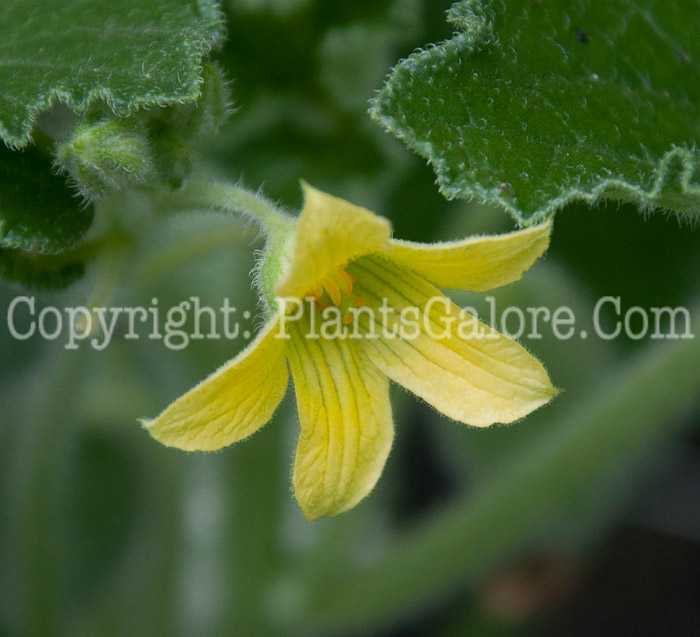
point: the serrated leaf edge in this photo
(212, 17)
(476, 20)
(647, 200)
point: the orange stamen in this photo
(315, 293)
(336, 286)
(348, 279)
(333, 291)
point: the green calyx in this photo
(273, 265)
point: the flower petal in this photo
(330, 232)
(478, 376)
(232, 403)
(346, 424)
(477, 264)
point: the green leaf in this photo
(544, 102)
(37, 210)
(130, 54)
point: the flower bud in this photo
(106, 156)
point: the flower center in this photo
(336, 289)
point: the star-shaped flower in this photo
(342, 348)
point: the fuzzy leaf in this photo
(535, 104)
(129, 54)
(38, 212)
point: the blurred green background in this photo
(582, 518)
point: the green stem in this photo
(277, 225)
(634, 409)
(231, 198)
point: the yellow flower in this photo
(342, 260)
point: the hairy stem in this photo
(232, 198)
